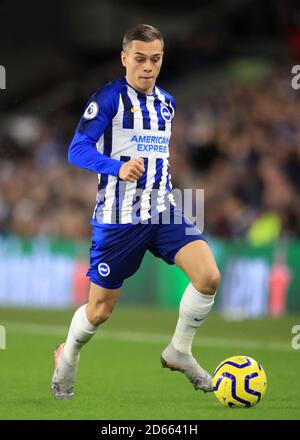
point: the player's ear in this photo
(123, 58)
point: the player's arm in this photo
(82, 153)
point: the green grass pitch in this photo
(120, 376)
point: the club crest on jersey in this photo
(165, 112)
(91, 111)
(103, 269)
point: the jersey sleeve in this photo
(98, 114)
(82, 153)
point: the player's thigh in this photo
(115, 255)
(198, 263)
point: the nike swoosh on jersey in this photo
(133, 110)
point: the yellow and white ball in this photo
(239, 381)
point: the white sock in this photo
(194, 307)
(80, 332)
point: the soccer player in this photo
(123, 136)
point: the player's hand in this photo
(132, 170)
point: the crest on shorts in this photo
(103, 269)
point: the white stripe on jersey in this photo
(138, 120)
(100, 144)
(100, 148)
(171, 199)
(162, 187)
(170, 196)
(120, 109)
(109, 199)
(152, 112)
(145, 199)
(126, 212)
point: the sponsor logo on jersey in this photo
(133, 110)
(91, 111)
(149, 143)
(104, 269)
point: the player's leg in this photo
(88, 317)
(84, 325)
(115, 254)
(179, 241)
(197, 261)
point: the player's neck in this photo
(134, 86)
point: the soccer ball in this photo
(239, 381)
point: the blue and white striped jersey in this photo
(124, 123)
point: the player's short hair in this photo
(142, 32)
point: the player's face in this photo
(142, 61)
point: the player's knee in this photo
(100, 313)
(208, 283)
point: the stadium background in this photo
(236, 135)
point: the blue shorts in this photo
(117, 250)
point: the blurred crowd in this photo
(240, 144)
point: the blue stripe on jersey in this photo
(159, 163)
(141, 184)
(127, 115)
(168, 100)
(158, 166)
(145, 112)
(161, 121)
(107, 141)
(125, 158)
